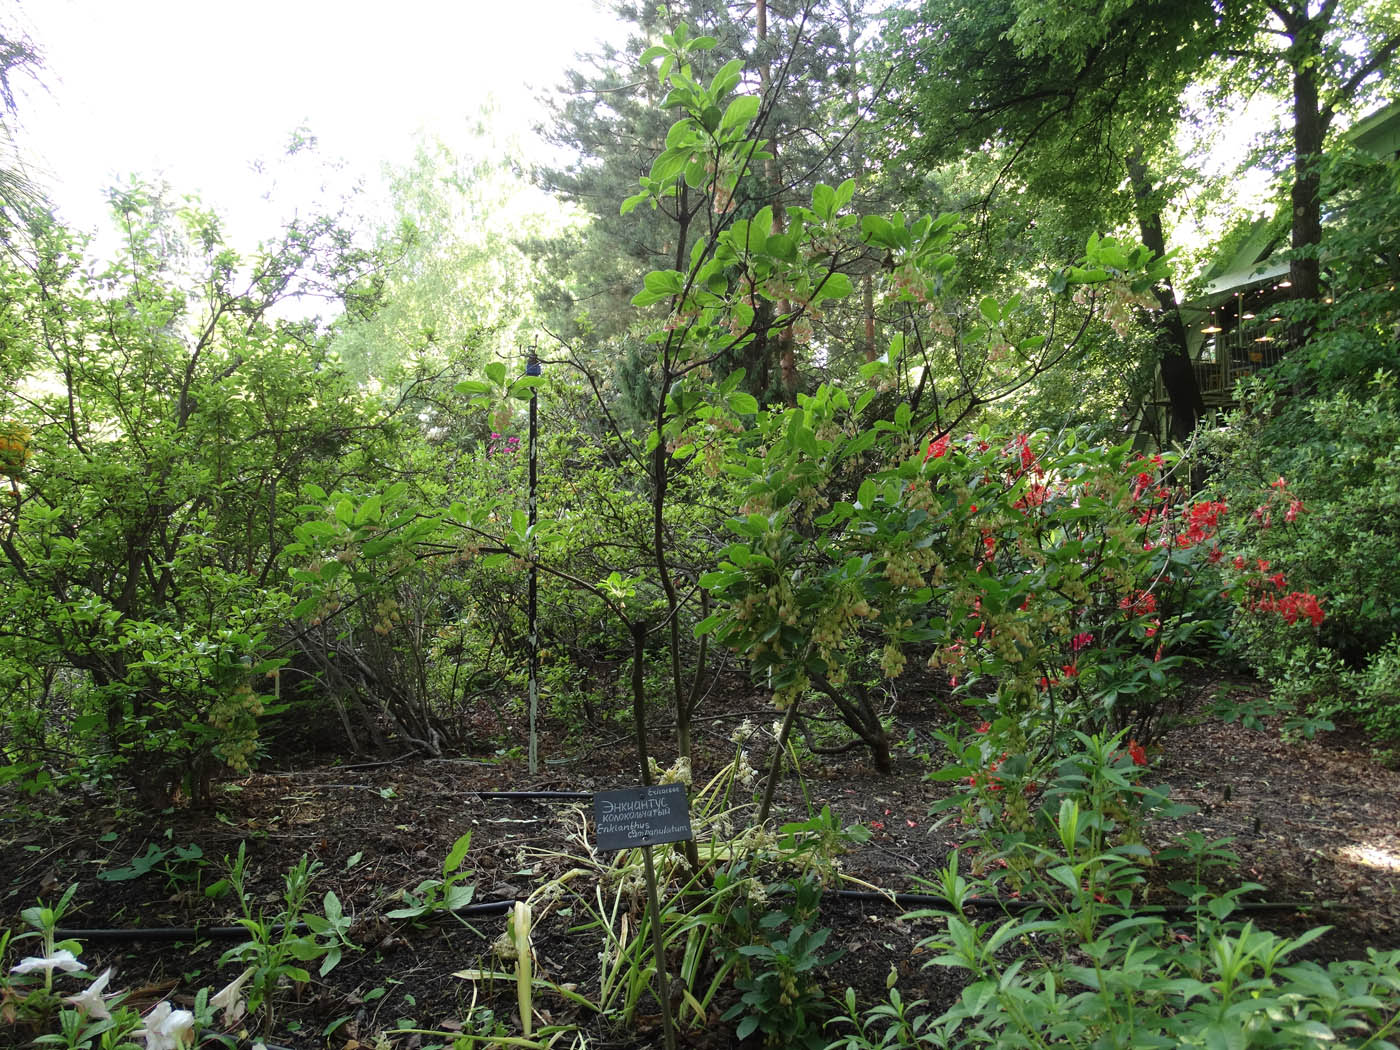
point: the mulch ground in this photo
(1317, 823)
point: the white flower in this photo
(167, 1029)
(89, 1001)
(61, 960)
(744, 772)
(678, 773)
(229, 999)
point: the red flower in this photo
(1299, 603)
(937, 447)
(1136, 753)
(1140, 603)
(1027, 456)
(1081, 641)
(985, 727)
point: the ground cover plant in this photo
(895, 646)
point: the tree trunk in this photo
(862, 719)
(1308, 129)
(1178, 375)
(787, 352)
(868, 305)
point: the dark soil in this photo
(1313, 823)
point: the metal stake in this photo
(533, 369)
(663, 989)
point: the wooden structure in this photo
(1233, 327)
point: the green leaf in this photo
(709, 623)
(878, 231)
(837, 286)
(739, 112)
(305, 949)
(457, 854)
(727, 78)
(782, 246)
(369, 511)
(664, 282)
(496, 372)
(1224, 1036)
(669, 164)
(742, 404)
(458, 896)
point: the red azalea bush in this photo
(1057, 586)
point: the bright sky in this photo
(196, 91)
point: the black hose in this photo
(228, 933)
(930, 901)
(936, 902)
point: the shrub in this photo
(1088, 970)
(1329, 524)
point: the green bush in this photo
(1321, 430)
(168, 426)
(1088, 967)
(1332, 524)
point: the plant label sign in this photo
(641, 816)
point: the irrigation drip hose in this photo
(228, 933)
(938, 903)
(500, 907)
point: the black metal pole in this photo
(533, 369)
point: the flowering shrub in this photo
(1013, 800)
(14, 448)
(1057, 584)
(1325, 524)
